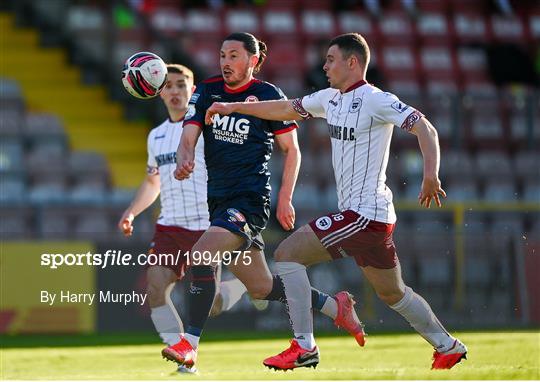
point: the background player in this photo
(237, 150)
(184, 210)
(360, 119)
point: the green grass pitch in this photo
(492, 355)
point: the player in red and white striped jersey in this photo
(360, 121)
(184, 210)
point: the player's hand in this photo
(285, 214)
(184, 169)
(126, 223)
(431, 189)
(217, 108)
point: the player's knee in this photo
(283, 253)
(260, 292)
(391, 297)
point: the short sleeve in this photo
(282, 127)
(151, 164)
(197, 107)
(387, 108)
(310, 106)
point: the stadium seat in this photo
(437, 63)
(11, 157)
(433, 28)
(279, 22)
(508, 29)
(357, 22)
(531, 191)
(88, 167)
(55, 222)
(93, 225)
(12, 122)
(12, 189)
(395, 27)
(500, 191)
(472, 63)
(11, 97)
(526, 165)
(316, 23)
(48, 192)
(87, 26)
(168, 21)
(242, 20)
(16, 222)
(45, 132)
(457, 165)
(534, 26)
(203, 22)
(47, 168)
(461, 191)
(493, 165)
(470, 28)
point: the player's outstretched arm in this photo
(281, 110)
(146, 195)
(428, 140)
(288, 143)
(185, 155)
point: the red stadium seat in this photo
(279, 23)
(242, 20)
(508, 29)
(206, 53)
(318, 23)
(396, 27)
(357, 22)
(433, 28)
(470, 27)
(205, 23)
(437, 62)
(283, 56)
(472, 64)
(168, 21)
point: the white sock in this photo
(167, 324)
(193, 340)
(419, 315)
(231, 292)
(330, 308)
(298, 293)
(305, 340)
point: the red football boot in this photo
(449, 358)
(182, 353)
(347, 319)
(293, 357)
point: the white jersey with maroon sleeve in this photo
(360, 123)
(183, 203)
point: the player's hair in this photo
(181, 69)
(352, 43)
(252, 45)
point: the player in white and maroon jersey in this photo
(184, 211)
(360, 120)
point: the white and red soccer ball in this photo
(144, 75)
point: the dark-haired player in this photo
(184, 211)
(360, 120)
(237, 150)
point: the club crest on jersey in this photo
(355, 105)
(323, 223)
(236, 215)
(190, 111)
(251, 98)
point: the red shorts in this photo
(172, 240)
(348, 234)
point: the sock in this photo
(298, 294)
(166, 324)
(305, 340)
(419, 315)
(231, 292)
(200, 297)
(192, 338)
(319, 300)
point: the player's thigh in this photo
(214, 241)
(388, 283)
(303, 247)
(251, 269)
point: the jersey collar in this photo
(240, 89)
(171, 121)
(355, 85)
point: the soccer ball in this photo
(144, 75)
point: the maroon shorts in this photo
(176, 241)
(348, 234)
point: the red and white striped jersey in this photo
(360, 123)
(183, 203)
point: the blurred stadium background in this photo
(73, 148)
